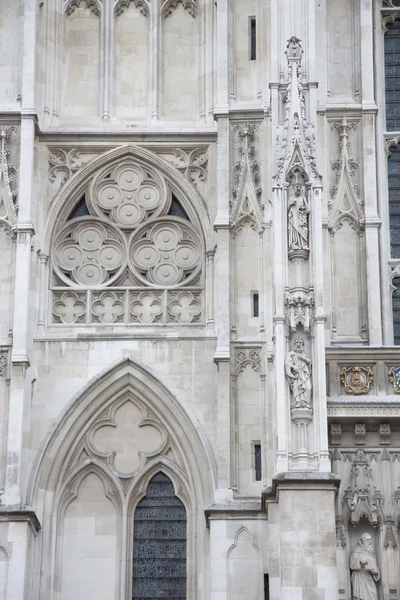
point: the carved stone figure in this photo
(298, 209)
(298, 372)
(365, 571)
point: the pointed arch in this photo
(73, 190)
(249, 561)
(101, 391)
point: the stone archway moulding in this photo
(192, 202)
(127, 375)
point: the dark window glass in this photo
(266, 587)
(253, 39)
(177, 209)
(394, 200)
(396, 311)
(392, 76)
(257, 461)
(256, 305)
(80, 210)
(159, 544)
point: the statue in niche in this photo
(298, 373)
(364, 569)
(298, 209)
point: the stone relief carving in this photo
(356, 380)
(247, 357)
(3, 364)
(166, 252)
(89, 253)
(384, 433)
(126, 436)
(346, 201)
(64, 163)
(193, 164)
(8, 204)
(359, 433)
(298, 210)
(336, 434)
(364, 569)
(247, 167)
(298, 373)
(394, 379)
(362, 498)
(299, 309)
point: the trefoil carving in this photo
(64, 163)
(193, 164)
(190, 5)
(247, 357)
(142, 5)
(71, 5)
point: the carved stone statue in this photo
(364, 568)
(298, 209)
(298, 372)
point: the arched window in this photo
(392, 75)
(127, 253)
(394, 200)
(159, 546)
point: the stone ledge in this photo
(243, 509)
(20, 512)
(299, 480)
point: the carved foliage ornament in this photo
(64, 163)
(191, 163)
(8, 207)
(356, 380)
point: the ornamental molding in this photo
(121, 5)
(245, 204)
(362, 499)
(363, 411)
(8, 176)
(94, 5)
(296, 140)
(389, 16)
(247, 357)
(168, 6)
(345, 203)
(299, 309)
(356, 380)
(191, 163)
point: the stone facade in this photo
(196, 280)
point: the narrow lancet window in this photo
(253, 39)
(257, 461)
(396, 310)
(392, 75)
(159, 545)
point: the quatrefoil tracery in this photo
(89, 252)
(166, 253)
(127, 195)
